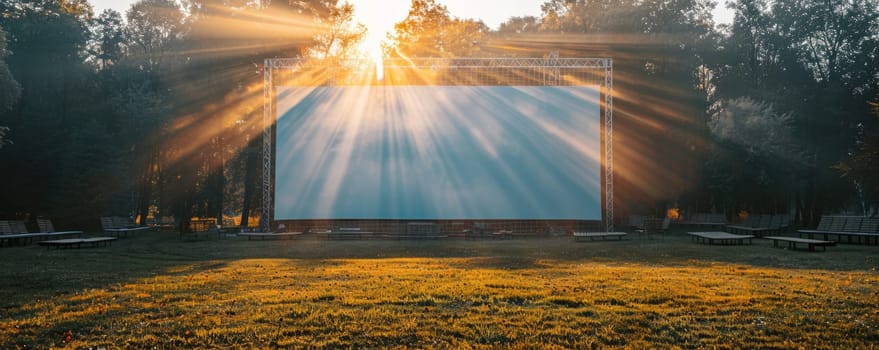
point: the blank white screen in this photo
(438, 152)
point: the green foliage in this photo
(155, 28)
(10, 90)
(107, 43)
(47, 39)
(430, 31)
(862, 166)
(756, 127)
(163, 103)
(338, 36)
(520, 25)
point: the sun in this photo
(371, 45)
(379, 19)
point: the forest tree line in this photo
(157, 111)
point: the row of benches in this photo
(848, 229)
(723, 238)
(852, 229)
(15, 232)
(738, 239)
(760, 225)
(344, 233)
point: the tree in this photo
(754, 157)
(754, 126)
(519, 25)
(47, 40)
(835, 40)
(108, 39)
(660, 50)
(430, 31)
(10, 90)
(863, 165)
(155, 28)
(337, 36)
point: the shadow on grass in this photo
(155, 289)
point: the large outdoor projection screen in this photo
(438, 152)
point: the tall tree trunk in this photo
(220, 187)
(251, 169)
(218, 179)
(183, 208)
(145, 190)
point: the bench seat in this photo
(126, 231)
(78, 242)
(36, 236)
(348, 234)
(793, 241)
(581, 236)
(270, 235)
(862, 237)
(758, 231)
(716, 237)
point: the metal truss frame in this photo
(553, 64)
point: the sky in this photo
(380, 16)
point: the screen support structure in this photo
(549, 71)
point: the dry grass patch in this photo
(158, 293)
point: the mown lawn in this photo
(155, 291)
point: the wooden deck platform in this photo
(582, 236)
(717, 237)
(793, 241)
(125, 231)
(78, 242)
(269, 235)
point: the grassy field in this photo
(157, 292)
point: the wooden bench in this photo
(854, 229)
(704, 219)
(78, 242)
(46, 226)
(270, 235)
(348, 233)
(793, 241)
(756, 231)
(754, 225)
(164, 223)
(502, 234)
(582, 236)
(15, 231)
(119, 226)
(23, 238)
(720, 238)
(419, 230)
(651, 225)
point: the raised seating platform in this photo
(119, 226)
(348, 233)
(78, 242)
(704, 220)
(269, 235)
(591, 236)
(761, 225)
(793, 241)
(716, 237)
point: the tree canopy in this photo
(156, 110)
